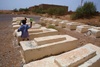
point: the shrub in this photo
(57, 11)
(15, 10)
(23, 9)
(38, 10)
(86, 11)
(52, 26)
(89, 9)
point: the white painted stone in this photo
(82, 28)
(49, 61)
(46, 32)
(49, 39)
(31, 30)
(75, 57)
(56, 21)
(94, 32)
(14, 19)
(72, 25)
(37, 33)
(62, 24)
(20, 18)
(95, 61)
(36, 26)
(16, 26)
(46, 62)
(40, 51)
(98, 28)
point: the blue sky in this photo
(72, 4)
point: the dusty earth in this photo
(9, 52)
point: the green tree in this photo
(15, 10)
(86, 11)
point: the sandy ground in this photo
(9, 52)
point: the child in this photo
(24, 29)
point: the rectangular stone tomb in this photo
(16, 26)
(75, 57)
(46, 32)
(95, 61)
(46, 62)
(51, 61)
(82, 28)
(56, 21)
(94, 32)
(98, 28)
(14, 19)
(62, 24)
(72, 25)
(49, 39)
(20, 18)
(32, 51)
(31, 30)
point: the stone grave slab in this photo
(37, 33)
(49, 61)
(49, 39)
(56, 21)
(82, 28)
(40, 51)
(75, 57)
(94, 32)
(46, 62)
(72, 25)
(16, 26)
(62, 24)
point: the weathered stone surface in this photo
(37, 33)
(48, 49)
(88, 48)
(49, 39)
(31, 30)
(46, 32)
(56, 21)
(82, 28)
(72, 25)
(63, 23)
(16, 26)
(75, 57)
(46, 62)
(94, 32)
(95, 61)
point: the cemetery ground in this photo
(9, 52)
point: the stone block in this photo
(95, 61)
(31, 30)
(56, 21)
(75, 57)
(72, 25)
(16, 26)
(82, 28)
(39, 51)
(36, 26)
(14, 19)
(62, 24)
(49, 61)
(37, 33)
(94, 32)
(46, 32)
(46, 62)
(49, 39)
